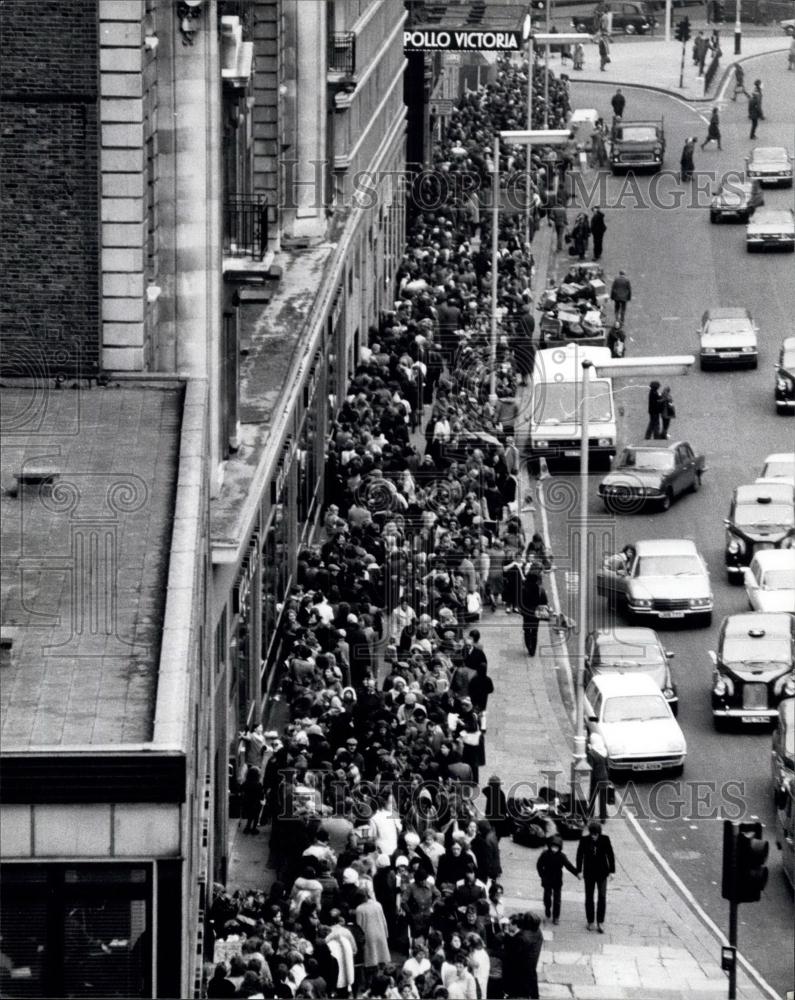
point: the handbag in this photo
(671, 411)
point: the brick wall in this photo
(49, 207)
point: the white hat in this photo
(401, 862)
(350, 876)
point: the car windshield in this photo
(762, 652)
(788, 358)
(778, 579)
(768, 515)
(627, 655)
(776, 470)
(669, 566)
(559, 402)
(635, 708)
(728, 327)
(646, 459)
(638, 133)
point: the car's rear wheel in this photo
(705, 620)
(667, 500)
(713, 216)
(678, 771)
(719, 723)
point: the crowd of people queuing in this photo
(387, 875)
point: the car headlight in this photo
(668, 692)
(604, 443)
(657, 150)
(640, 602)
(735, 546)
(700, 602)
(783, 384)
(748, 350)
(723, 687)
(785, 685)
(708, 350)
(541, 444)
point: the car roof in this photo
(626, 634)
(768, 150)
(780, 456)
(626, 684)
(773, 623)
(665, 547)
(776, 489)
(772, 215)
(775, 559)
(788, 343)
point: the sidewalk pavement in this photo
(654, 63)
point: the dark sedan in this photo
(632, 18)
(736, 199)
(785, 377)
(625, 650)
(651, 474)
(762, 516)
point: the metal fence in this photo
(246, 226)
(342, 52)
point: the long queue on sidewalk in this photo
(387, 877)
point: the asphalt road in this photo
(679, 265)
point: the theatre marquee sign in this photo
(433, 40)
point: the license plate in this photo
(754, 719)
(570, 454)
(649, 766)
(672, 614)
(730, 354)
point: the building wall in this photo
(49, 213)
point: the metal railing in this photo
(246, 226)
(342, 52)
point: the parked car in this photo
(761, 516)
(636, 144)
(651, 474)
(770, 580)
(630, 18)
(770, 165)
(785, 829)
(728, 337)
(630, 651)
(754, 667)
(635, 722)
(771, 227)
(779, 465)
(785, 377)
(782, 751)
(736, 199)
(664, 578)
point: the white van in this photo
(555, 428)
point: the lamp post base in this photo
(738, 40)
(580, 780)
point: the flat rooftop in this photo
(85, 560)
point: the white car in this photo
(663, 578)
(771, 227)
(769, 165)
(779, 465)
(728, 337)
(636, 723)
(770, 580)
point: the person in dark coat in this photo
(580, 235)
(713, 130)
(600, 776)
(621, 294)
(486, 848)
(755, 112)
(520, 953)
(219, 985)
(686, 164)
(618, 103)
(496, 809)
(739, 82)
(598, 229)
(550, 865)
(252, 795)
(596, 863)
(533, 597)
(654, 426)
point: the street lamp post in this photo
(671, 365)
(527, 137)
(738, 28)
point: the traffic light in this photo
(683, 30)
(752, 852)
(744, 856)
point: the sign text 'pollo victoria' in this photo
(482, 41)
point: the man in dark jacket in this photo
(550, 865)
(598, 228)
(621, 293)
(596, 862)
(654, 426)
(618, 103)
(520, 953)
(533, 597)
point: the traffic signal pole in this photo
(682, 69)
(733, 944)
(743, 880)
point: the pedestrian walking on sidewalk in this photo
(604, 52)
(618, 102)
(534, 608)
(512, 585)
(560, 220)
(596, 863)
(713, 130)
(754, 112)
(739, 82)
(621, 293)
(654, 426)
(600, 777)
(758, 93)
(520, 953)
(686, 164)
(550, 865)
(598, 229)
(667, 411)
